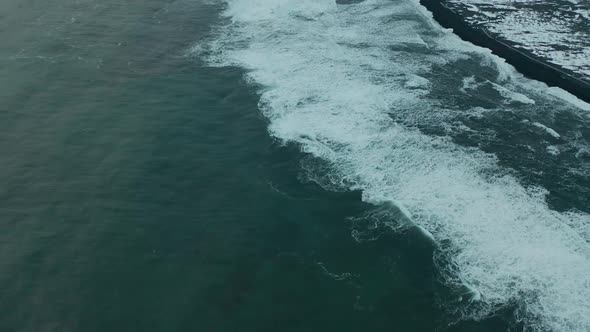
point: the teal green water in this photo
(140, 191)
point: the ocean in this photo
(282, 165)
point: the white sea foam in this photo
(553, 149)
(469, 83)
(564, 95)
(511, 96)
(417, 82)
(332, 76)
(543, 127)
(547, 129)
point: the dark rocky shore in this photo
(525, 62)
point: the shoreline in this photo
(526, 63)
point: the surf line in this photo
(525, 62)
(465, 292)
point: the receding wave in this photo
(356, 86)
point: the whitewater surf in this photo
(407, 113)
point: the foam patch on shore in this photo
(554, 30)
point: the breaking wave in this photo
(355, 85)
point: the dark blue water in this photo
(145, 187)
